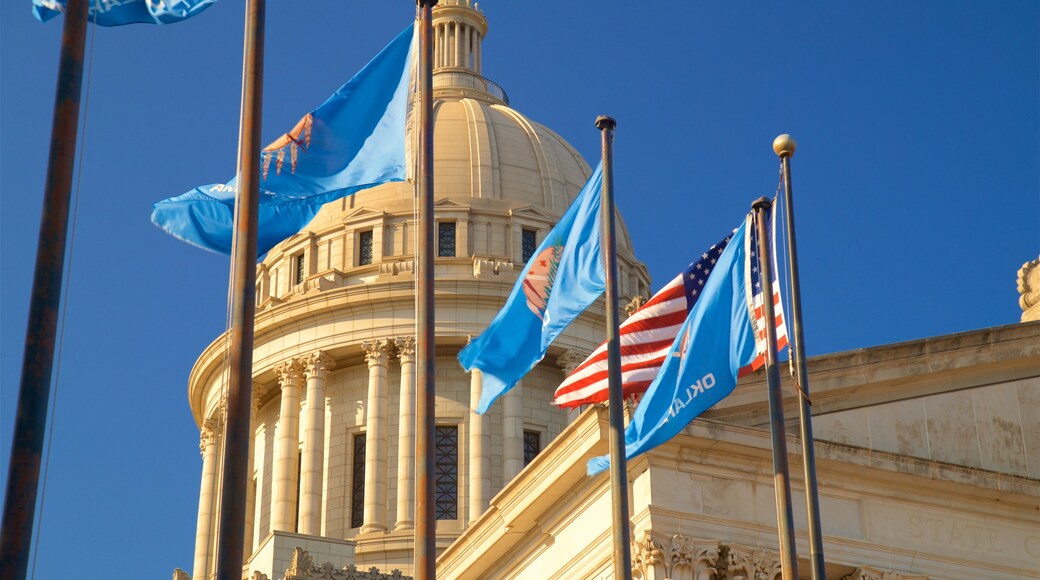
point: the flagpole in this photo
(23, 475)
(784, 147)
(781, 472)
(425, 417)
(232, 503)
(618, 465)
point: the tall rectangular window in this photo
(446, 472)
(357, 483)
(527, 238)
(298, 268)
(365, 248)
(532, 445)
(299, 489)
(446, 239)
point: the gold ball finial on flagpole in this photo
(784, 146)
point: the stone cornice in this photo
(896, 372)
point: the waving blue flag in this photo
(563, 277)
(119, 12)
(353, 141)
(715, 342)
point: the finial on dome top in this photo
(784, 146)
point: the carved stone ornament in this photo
(405, 348)
(751, 564)
(486, 267)
(258, 575)
(318, 364)
(377, 352)
(179, 574)
(1029, 290)
(302, 567)
(677, 557)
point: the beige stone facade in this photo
(928, 452)
(946, 495)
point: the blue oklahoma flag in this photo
(563, 277)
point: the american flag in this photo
(753, 273)
(645, 337)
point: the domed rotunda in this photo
(333, 415)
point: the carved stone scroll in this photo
(1029, 290)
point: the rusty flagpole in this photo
(34, 392)
(232, 501)
(425, 419)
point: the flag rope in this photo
(786, 279)
(67, 277)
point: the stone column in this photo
(512, 433)
(377, 355)
(318, 365)
(207, 493)
(406, 437)
(479, 450)
(259, 453)
(569, 361)
(286, 448)
(250, 523)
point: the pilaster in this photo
(512, 433)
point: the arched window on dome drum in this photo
(446, 472)
(528, 244)
(532, 445)
(365, 248)
(446, 239)
(357, 482)
(298, 268)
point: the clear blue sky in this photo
(916, 183)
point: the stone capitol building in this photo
(928, 452)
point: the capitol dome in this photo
(334, 364)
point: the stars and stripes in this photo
(645, 337)
(753, 273)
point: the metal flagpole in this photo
(232, 506)
(784, 147)
(425, 419)
(618, 465)
(23, 475)
(781, 473)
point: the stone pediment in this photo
(363, 214)
(449, 207)
(531, 213)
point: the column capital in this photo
(405, 348)
(377, 352)
(318, 364)
(290, 373)
(258, 393)
(207, 434)
(569, 360)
